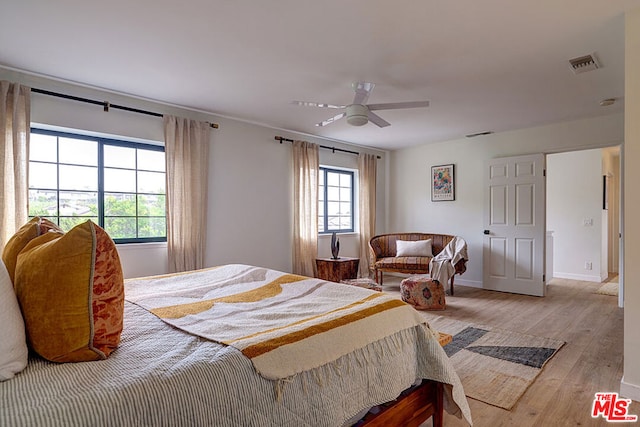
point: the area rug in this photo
(495, 366)
(610, 288)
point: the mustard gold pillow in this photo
(71, 291)
(35, 227)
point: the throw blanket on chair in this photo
(284, 323)
(442, 266)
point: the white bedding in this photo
(163, 376)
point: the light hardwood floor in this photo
(589, 362)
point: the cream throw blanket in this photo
(442, 267)
(284, 323)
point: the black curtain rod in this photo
(334, 149)
(105, 104)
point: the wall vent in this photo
(583, 64)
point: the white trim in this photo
(89, 133)
(469, 283)
(629, 391)
(582, 277)
(139, 246)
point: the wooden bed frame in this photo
(415, 405)
(412, 409)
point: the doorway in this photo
(583, 213)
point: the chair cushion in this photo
(417, 248)
(404, 263)
(423, 293)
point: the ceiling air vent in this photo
(584, 64)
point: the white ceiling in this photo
(490, 65)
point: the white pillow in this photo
(414, 248)
(13, 341)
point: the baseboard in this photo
(629, 391)
(572, 276)
(471, 283)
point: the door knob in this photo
(487, 232)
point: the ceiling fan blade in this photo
(332, 119)
(363, 90)
(317, 104)
(398, 105)
(376, 119)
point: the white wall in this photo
(410, 208)
(574, 195)
(250, 181)
(611, 168)
(630, 385)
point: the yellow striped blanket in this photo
(284, 323)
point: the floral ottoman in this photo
(423, 293)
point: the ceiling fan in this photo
(358, 113)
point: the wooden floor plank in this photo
(589, 362)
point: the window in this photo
(119, 185)
(335, 201)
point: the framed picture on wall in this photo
(442, 183)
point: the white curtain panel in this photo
(15, 119)
(367, 170)
(306, 169)
(187, 158)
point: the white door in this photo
(514, 225)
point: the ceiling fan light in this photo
(357, 120)
(357, 115)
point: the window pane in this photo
(334, 223)
(345, 222)
(120, 228)
(151, 160)
(75, 203)
(78, 151)
(151, 182)
(321, 193)
(345, 208)
(152, 227)
(321, 178)
(67, 223)
(119, 204)
(78, 178)
(119, 157)
(321, 224)
(333, 208)
(152, 205)
(43, 203)
(120, 180)
(43, 175)
(66, 188)
(333, 193)
(345, 194)
(333, 178)
(43, 147)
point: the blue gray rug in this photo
(495, 366)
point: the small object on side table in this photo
(335, 246)
(336, 270)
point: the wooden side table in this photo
(336, 270)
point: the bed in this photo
(169, 369)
